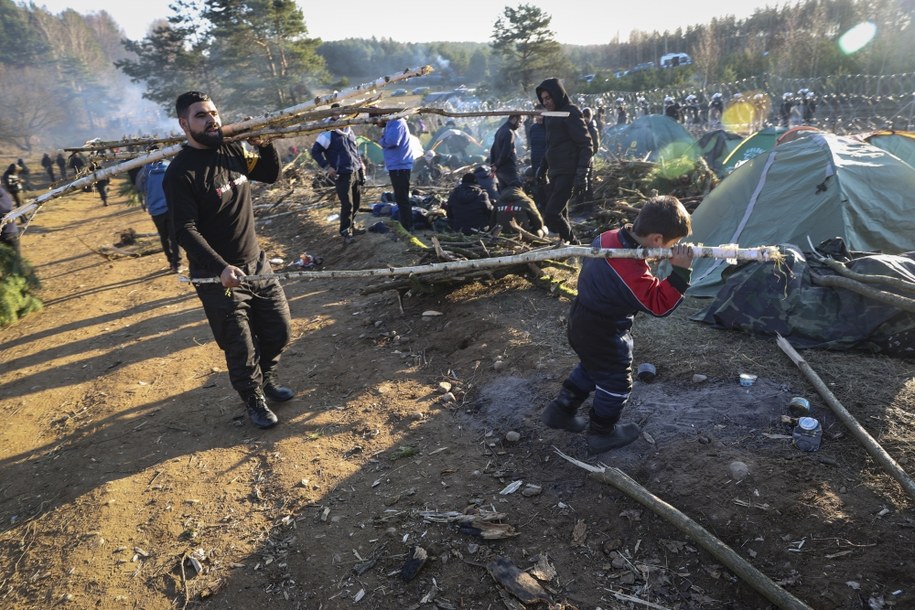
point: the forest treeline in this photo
(69, 77)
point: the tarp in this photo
(715, 146)
(767, 298)
(818, 186)
(899, 143)
(653, 137)
(752, 146)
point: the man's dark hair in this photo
(663, 214)
(186, 100)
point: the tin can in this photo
(746, 379)
(807, 434)
(646, 372)
(799, 407)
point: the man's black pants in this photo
(251, 325)
(400, 183)
(350, 194)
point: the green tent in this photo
(818, 186)
(899, 143)
(752, 146)
(653, 137)
(370, 150)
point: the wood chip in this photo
(520, 584)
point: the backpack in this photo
(156, 204)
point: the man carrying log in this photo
(208, 189)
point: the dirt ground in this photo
(127, 465)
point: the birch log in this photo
(722, 552)
(872, 446)
(234, 129)
(729, 252)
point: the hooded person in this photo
(567, 156)
(468, 207)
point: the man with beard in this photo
(567, 157)
(209, 194)
(503, 156)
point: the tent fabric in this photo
(653, 137)
(767, 298)
(898, 143)
(715, 146)
(370, 150)
(752, 146)
(815, 187)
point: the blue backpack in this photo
(155, 193)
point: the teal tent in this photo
(653, 137)
(752, 146)
(899, 143)
(817, 186)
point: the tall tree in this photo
(522, 37)
(264, 46)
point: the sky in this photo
(461, 21)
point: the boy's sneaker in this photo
(601, 439)
(258, 411)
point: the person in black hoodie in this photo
(468, 207)
(567, 157)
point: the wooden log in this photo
(722, 552)
(762, 253)
(870, 445)
(887, 298)
(865, 278)
(228, 130)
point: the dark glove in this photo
(361, 177)
(580, 186)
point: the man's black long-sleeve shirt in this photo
(209, 197)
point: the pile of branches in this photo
(455, 247)
(622, 186)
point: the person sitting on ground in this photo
(468, 207)
(514, 204)
(611, 291)
(486, 181)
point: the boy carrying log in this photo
(610, 293)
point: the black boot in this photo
(560, 413)
(275, 391)
(605, 434)
(258, 411)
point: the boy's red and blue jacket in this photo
(616, 289)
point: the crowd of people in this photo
(201, 203)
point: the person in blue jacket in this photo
(149, 183)
(611, 291)
(336, 152)
(398, 160)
